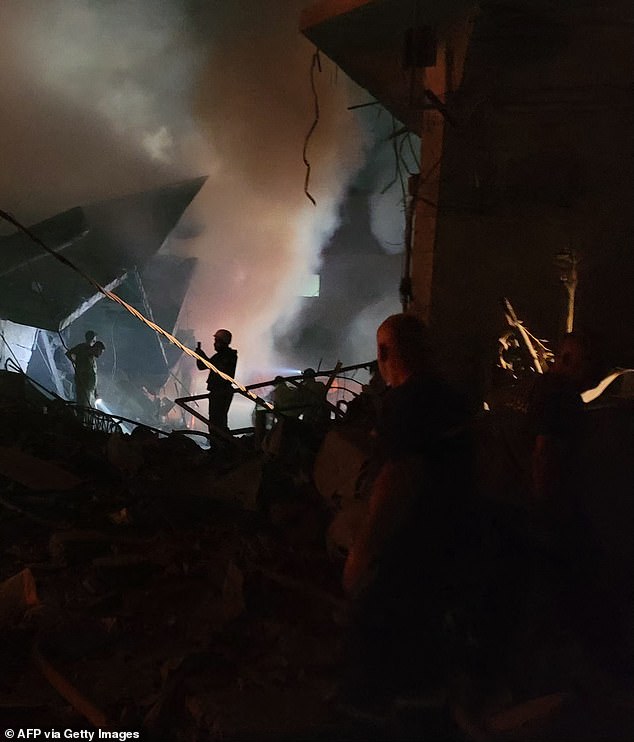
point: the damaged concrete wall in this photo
(539, 162)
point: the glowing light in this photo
(101, 406)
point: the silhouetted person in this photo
(284, 398)
(84, 358)
(364, 409)
(311, 398)
(220, 391)
(404, 571)
(89, 340)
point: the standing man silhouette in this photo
(84, 359)
(220, 392)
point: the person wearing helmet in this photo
(220, 392)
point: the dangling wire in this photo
(316, 63)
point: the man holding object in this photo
(220, 392)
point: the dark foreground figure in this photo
(410, 574)
(473, 606)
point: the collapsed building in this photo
(46, 308)
(525, 116)
(524, 111)
(94, 521)
(192, 598)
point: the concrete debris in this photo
(17, 594)
(340, 464)
(124, 453)
(191, 595)
(33, 472)
(239, 486)
(232, 593)
(48, 523)
(159, 559)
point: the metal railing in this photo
(184, 402)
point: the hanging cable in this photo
(135, 312)
(13, 364)
(315, 63)
(398, 173)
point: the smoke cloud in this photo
(106, 97)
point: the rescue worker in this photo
(89, 340)
(284, 398)
(84, 359)
(311, 399)
(224, 359)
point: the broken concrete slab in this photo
(17, 594)
(125, 453)
(33, 472)
(239, 486)
(340, 463)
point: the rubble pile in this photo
(145, 585)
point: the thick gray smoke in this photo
(255, 107)
(79, 111)
(106, 97)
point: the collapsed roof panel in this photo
(104, 240)
(59, 232)
(166, 280)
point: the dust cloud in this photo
(100, 98)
